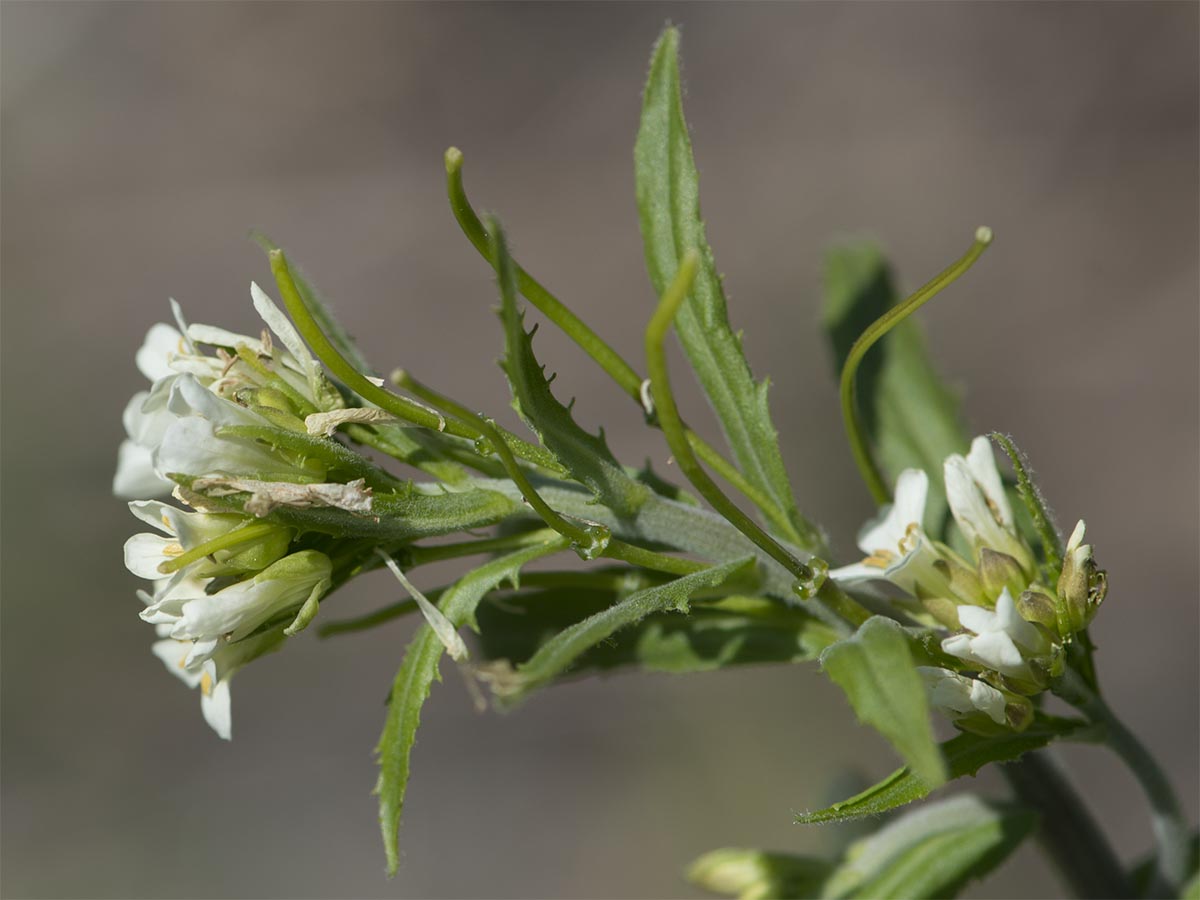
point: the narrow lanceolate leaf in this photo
(417, 673)
(965, 754)
(731, 631)
(586, 456)
(556, 655)
(911, 418)
(668, 195)
(932, 852)
(876, 670)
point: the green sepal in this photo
(341, 463)
(911, 418)
(559, 653)
(931, 852)
(876, 670)
(319, 308)
(669, 208)
(407, 514)
(585, 456)
(964, 755)
(1035, 504)
(415, 679)
(716, 634)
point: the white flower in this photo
(213, 674)
(894, 542)
(979, 505)
(999, 640)
(899, 551)
(170, 357)
(957, 695)
(232, 613)
(184, 531)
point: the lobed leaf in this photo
(669, 207)
(875, 669)
(585, 456)
(415, 679)
(964, 754)
(911, 418)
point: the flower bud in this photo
(998, 571)
(1035, 606)
(1081, 585)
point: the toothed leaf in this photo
(965, 754)
(585, 456)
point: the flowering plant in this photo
(967, 603)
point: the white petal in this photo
(997, 650)
(215, 706)
(174, 656)
(219, 337)
(181, 324)
(982, 463)
(912, 488)
(154, 513)
(1076, 539)
(135, 476)
(190, 398)
(154, 356)
(286, 332)
(1022, 632)
(987, 699)
(145, 552)
(191, 448)
(977, 619)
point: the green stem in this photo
(876, 330)
(672, 425)
(401, 407)
(649, 559)
(1172, 832)
(1066, 830)
(626, 377)
(520, 447)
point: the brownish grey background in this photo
(141, 141)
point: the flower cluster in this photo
(226, 586)
(1009, 628)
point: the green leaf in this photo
(556, 655)
(586, 456)
(911, 418)
(731, 631)
(754, 874)
(415, 679)
(669, 206)
(965, 754)
(876, 670)
(319, 308)
(931, 852)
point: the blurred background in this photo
(141, 142)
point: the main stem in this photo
(1067, 832)
(1172, 834)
